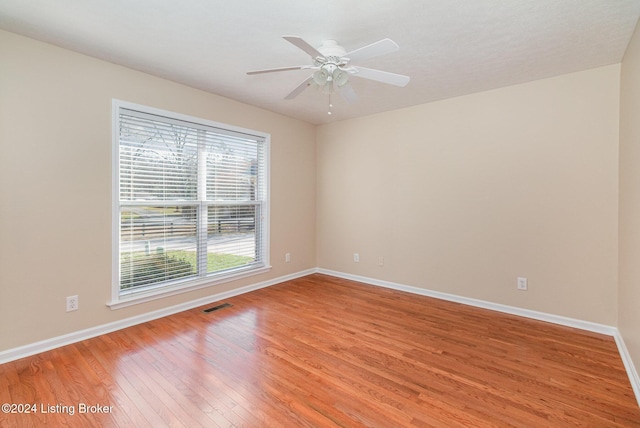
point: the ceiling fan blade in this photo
(300, 43)
(381, 76)
(348, 93)
(378, 48)
(273, 70)
(301, 87)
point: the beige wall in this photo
(459, 196)
(629, 294)
(464, 195)
(55, 170)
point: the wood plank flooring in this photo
(321, 352)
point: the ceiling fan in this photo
(331, 65)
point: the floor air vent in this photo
(216, 308)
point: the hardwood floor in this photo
(322, 351)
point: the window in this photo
(190, 202)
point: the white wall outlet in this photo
(287, 257)
(522, 283)
(356, 257)
(380, 261)
(72, 303)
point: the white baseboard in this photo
(541, 316)
(77, 336)
(628, 365)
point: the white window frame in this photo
(120, 300)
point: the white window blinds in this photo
(191, 200)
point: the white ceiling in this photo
(447, 47)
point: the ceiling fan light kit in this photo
(331, 65)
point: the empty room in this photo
(315, 214)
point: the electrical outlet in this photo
(72, 303)
(522, 283)
(356, 257)
(287, 257)
(380, 261)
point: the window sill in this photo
(150, 295)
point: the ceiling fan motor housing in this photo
(331, 65)
(331, 48)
